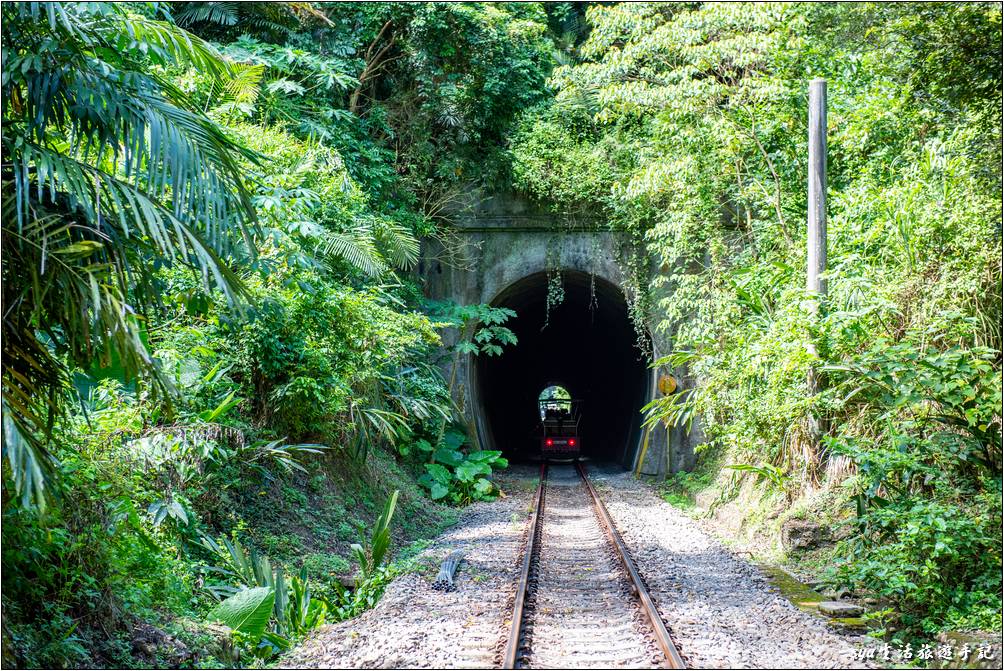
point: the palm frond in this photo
(400, 246)
(55, 13)
(356, 248)
(261, 19)
(139, 128)
(31, 377)
(239, 94)
(120, 211)
(31, 464)
(167, 43)
(109, 170)
(420, 408)
(386, 423)
(246, 82)
(220, 13)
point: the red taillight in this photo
(571, 442)
(549, 442)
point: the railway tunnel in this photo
(586, 344)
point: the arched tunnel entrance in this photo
(588, 346)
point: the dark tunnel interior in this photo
(588, 347)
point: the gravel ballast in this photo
(721, 610)
(583, 614)
(417, 626)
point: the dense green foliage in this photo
(213, 366)
(217, 367)
(108, 169)
(687, 126)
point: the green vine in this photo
(636, 293)
(594, 253)
(555, 286)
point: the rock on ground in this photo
(840, 609)
(721, 610)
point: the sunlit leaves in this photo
(697, 124)
(314, 210)
(112, 172)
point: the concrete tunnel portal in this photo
(587, 345)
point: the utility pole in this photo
(817, 191)
(816, 240)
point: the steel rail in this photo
(648, 605)
(512, 646)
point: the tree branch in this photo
(373, 64)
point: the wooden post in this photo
(816, 241)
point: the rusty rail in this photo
(648, 605)
(665, 642)
(512, 646)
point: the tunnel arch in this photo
(587, 344)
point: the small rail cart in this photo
(559, 428)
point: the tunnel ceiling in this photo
(587, 346)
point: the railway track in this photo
(580, 602)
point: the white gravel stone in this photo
(415, 626)
(722, 611)
(582, 614)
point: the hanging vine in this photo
(555, 286)
(636, 274)
(594, 254)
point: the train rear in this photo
(559, 428)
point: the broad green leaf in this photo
(248, 611)
(447, 456)
(178, 512)
(469, 469)
(454, 439)
(484, 455)
(439, 474)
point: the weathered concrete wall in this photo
(500, 241)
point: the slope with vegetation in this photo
(220, 380)
(686, 125)
(216, 368)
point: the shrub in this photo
(460, 477)
(927, 443)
